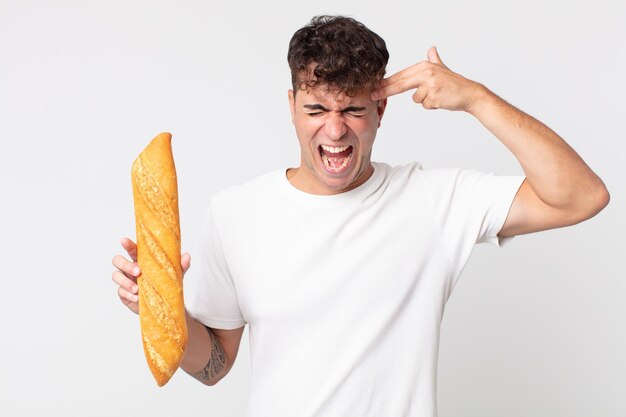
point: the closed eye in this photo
(355, 111)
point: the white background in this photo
(533, 329)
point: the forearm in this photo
(204, 358)
(557, 174)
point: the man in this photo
(342, 266)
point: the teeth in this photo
(333, 149)
(345, 163)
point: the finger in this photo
(430, 104)
(433, 56)
(399, 86)
(399, 77)
(124, 265)
(419, 95)
(121, 279)
(185, 261)
(130, 247)
(126, 296)
(405, 73)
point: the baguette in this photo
(161, 305)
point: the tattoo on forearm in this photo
(216, 363)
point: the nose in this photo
(335, 127)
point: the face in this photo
(336, 134)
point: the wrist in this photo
(479, 97)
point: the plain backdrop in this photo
(533, 329)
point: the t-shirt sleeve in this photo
(212, 294)
(470, 207)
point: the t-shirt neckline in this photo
(364, 189)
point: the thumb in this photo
(433, 56)
(185, 261)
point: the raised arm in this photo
(559, 190)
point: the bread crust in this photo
(161, 304)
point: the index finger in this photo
(397, 83)
(130, 247)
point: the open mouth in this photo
(335, 159)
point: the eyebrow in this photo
(347, 109)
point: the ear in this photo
(292, 104)
(380, 109)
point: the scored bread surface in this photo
(161, 305)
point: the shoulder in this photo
(252, 191)
(434, 177)
(398, 172)
(456, 178)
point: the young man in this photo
(342, 266)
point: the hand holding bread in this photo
(161, 305)
(125, 276)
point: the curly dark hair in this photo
(336, 52)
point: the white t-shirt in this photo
(344, 294)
